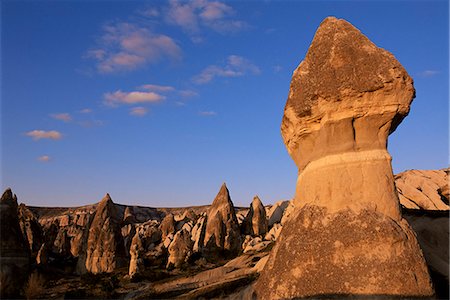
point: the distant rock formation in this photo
(105, 247)
(423, 189)
(167, 225)
(14, 249)
(180, 249)
(276, 212)
(128, 215)
(31, 229)
(221, 229)
(346, 234)
(255, 223)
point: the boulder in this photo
(105, 247)
(346, 234)
(14, 249)
(255, 222)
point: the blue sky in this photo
(158, 103)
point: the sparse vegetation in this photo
(35, 286)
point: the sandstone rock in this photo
(31, 229)
(180, 249)
(423, 189)
(14, 251)
(345, 98)
(255, 244)
(276, 212)
(255, 222)
(333, 254)
(136, 256)
(167, 225)
(432, 230)
(287, 212)
(198, 233)
(128, 215)
(222, 228)
(64, 220)
(274, 232)
(105, 247)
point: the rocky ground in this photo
(108, 250)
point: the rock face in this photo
(167, 225)
(105, 247)
(423, 189)
(31, 229)
(180, 249)
(255, 222)
(346, 97)
(14, 251)
(222, 228)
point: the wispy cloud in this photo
(277, 68)
(66, 117)
(187, 93)
(44, 158)
(207, 113)
(157, 88)
(428, 73)
(126, 46)
(235, 66)
(42, 134)
(118, 97)
(138, 111)
(91, 123)
(85, 111)
(192, 16)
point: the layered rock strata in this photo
(345, 235)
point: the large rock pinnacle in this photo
(346, 234)
(105, 246)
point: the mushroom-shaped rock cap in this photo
(344, 76)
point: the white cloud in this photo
(44, 158)
(138, 111)
(207, 113)
(126, 46)
(134, 97)
(42, 134)
(157, 88)
(66, 117)
(428, 73)
(192, 16)
(235, 66)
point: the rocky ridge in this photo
(63, 241)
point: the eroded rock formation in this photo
(255, 223)
(14, 250)
(105, 247)
(423, 189)
(222, 229)
(345, 234)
